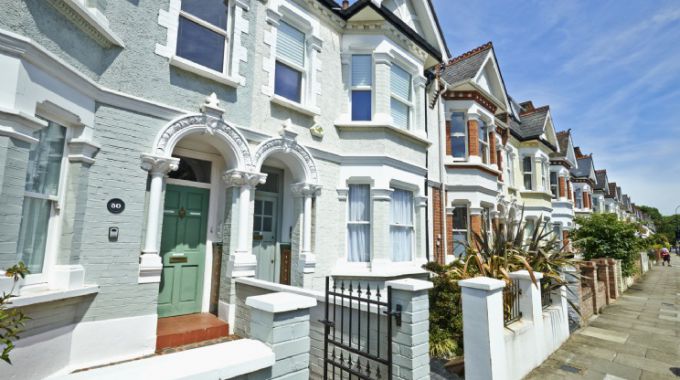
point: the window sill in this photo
(371, 125)
(185, 64)
(305, 110)
(467, 164)
(90, 21)
(33, 295)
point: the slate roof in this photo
(465, 66)
(583, 169)
(601, 182)
(533, 123)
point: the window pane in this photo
(457, 123)
(268, 208)
(400, 82)
(358, 242)
(481, 130)
(459, 243)
(526, 162)
(402, 243)
(460, 218)
(359, 203)
(458, 146)
(267, 224)
(33, 233)
(400, 114)
(200, 45)
(402, 207)
(192, 169)
(288, 82)
(362, 70)
(290, 44)
(44, 160)
(258, 207)
(212, 11)
(361, 105)
(527, 182)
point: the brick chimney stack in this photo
(345, 4)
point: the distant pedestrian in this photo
(666, 256)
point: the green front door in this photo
(183, 238)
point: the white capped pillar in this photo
(150, 264)
(306, 191)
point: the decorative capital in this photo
(81, 150)
(236, 177)
(305, 189)
(158, 164)
(315, 43)
(211, 106)
(420, 201)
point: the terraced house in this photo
(153, 152)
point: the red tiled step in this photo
(188, 329)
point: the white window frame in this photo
(226, 75)
(369, 222)
(370, 88)
(53, 236)
(464, 135)
(304, 74)
(408, 103)
(466, 231)
(413, 220)
(484, 141)
(529, 173)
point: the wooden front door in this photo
(264, 235)
(183, 239)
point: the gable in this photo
(489, 80)
(420, 17)
(549, 131)
(405, 11)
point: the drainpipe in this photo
(442, 172)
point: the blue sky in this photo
(610, 71)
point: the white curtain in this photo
(401, 230)
(359, 224)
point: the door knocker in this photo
(182, 213)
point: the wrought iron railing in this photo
(511, 312)
(546, 291)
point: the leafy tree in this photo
(603, 235)
(11, 320)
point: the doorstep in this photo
(189, 329)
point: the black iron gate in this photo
(358, 331)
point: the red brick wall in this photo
(492, 148)
(437, 226)
(475, 229)
(473, 138)
(569, 192)
(448, 138)
(563, 185)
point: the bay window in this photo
(458, 137)
(483, 141)
(400, 102)
(527, 171)
(202, 33)
(460, 230)
(359, 223)
(401, 226)
(362, 82)
(290, 62)
(40, 193)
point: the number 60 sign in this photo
(115, 205)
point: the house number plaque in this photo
(115, 205)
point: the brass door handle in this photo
(182, 213)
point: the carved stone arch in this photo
(287, 146)
(229, 141)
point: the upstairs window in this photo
(579, 198)
(460, 230)
(40, 193)
(359, 223)
(362, 84)
(458, 137)
(510, 169)
(401, 226)
(527, 171)
(290, 62)
(400, 103)
(483, 141)
(202, 33)
(554, 184)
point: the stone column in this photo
(420, 224)
(473, 138)
(538, 169)
(306, 191)
(483, 335)
(281, 321)
(150, 264)
(418, 126)
(381, 83)
(475, 225)
(410, 343)
(380, 227)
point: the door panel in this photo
(183, 250)
(264, 235)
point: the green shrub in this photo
(11, 320)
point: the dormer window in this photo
(290, 62)
(362, 82)
(400, 89)
(202, 33)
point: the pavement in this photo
(636, 337)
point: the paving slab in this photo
(636, 337)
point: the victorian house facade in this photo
(153, 152)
